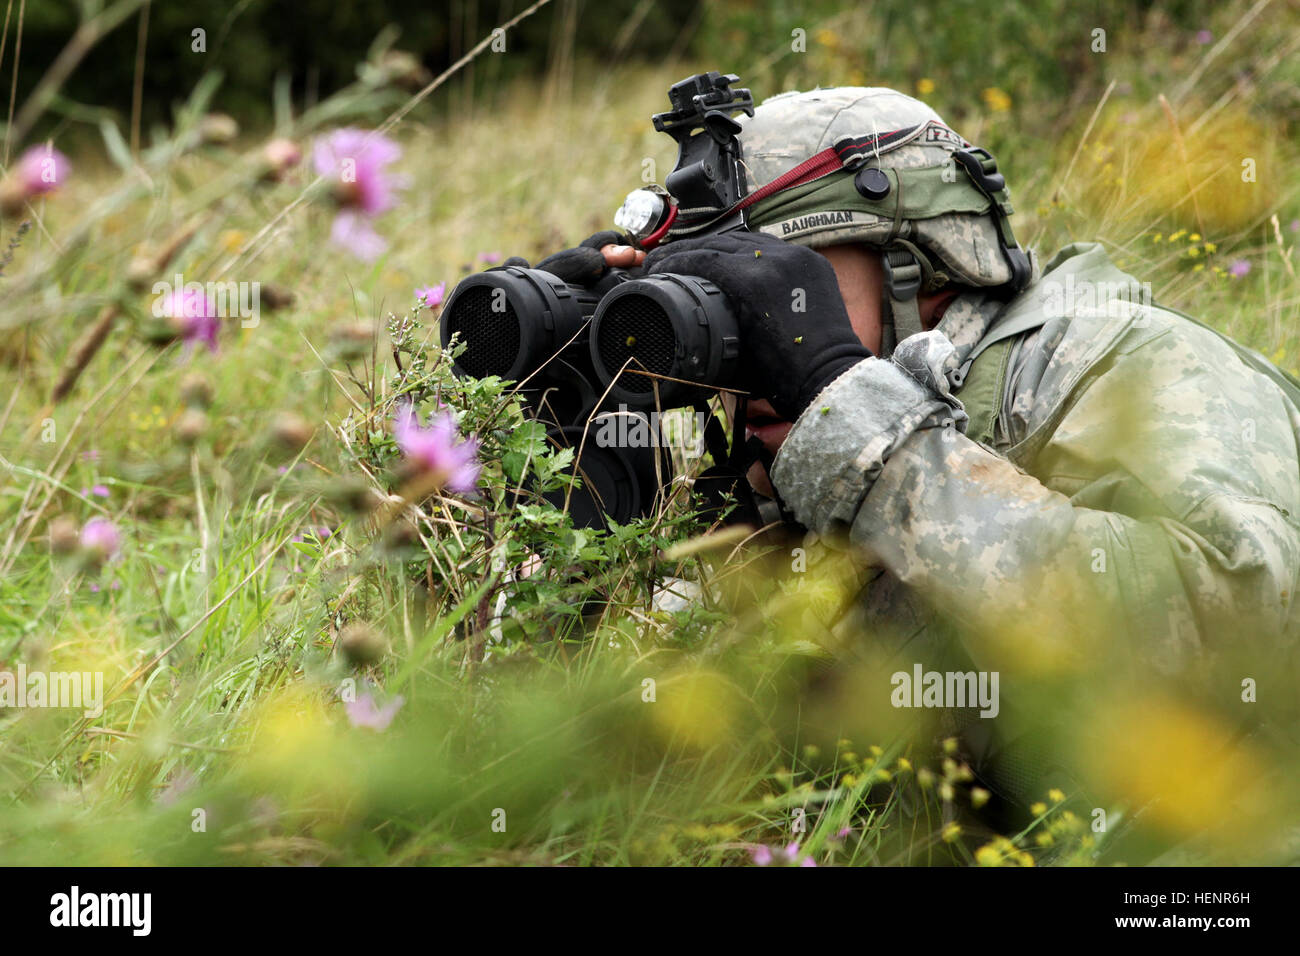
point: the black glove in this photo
(581, 265)
(584, 264)
(786, 356)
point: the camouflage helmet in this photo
(872, 165)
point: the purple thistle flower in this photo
(491, 258)
(364, 712)
(100, 490)
(101, 537)
(42, 169)
(432, 296)
(783, 856)
(194, 315)
(356, 159)
(434, 449)
(1239, 268)
(1204, 36)
(353, 232)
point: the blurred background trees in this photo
(1046, 46)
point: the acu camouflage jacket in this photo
(1133, 480)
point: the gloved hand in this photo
(786, 356)
(583, 265)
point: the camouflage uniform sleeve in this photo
(1158, 511)
(859, 420)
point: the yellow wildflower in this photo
(996, 99)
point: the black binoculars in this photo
(657, 341)
(644, 344)
(648, 344)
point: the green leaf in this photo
(512, 463)
(116, 146)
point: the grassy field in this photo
(263, 619)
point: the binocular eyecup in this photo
(677, 327)
(674, 334)
(514, 321)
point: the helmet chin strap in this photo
(900, 308)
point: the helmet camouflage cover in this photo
(930, 202)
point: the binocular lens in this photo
(669, 325)
(639, 333)
(513, 321)
(491, 337)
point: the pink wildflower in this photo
(434, 449)
(431, 296)
(42, 169)
(355, 160)
(784, 856)
(194, 315)
(101, 538)
(364, 712)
